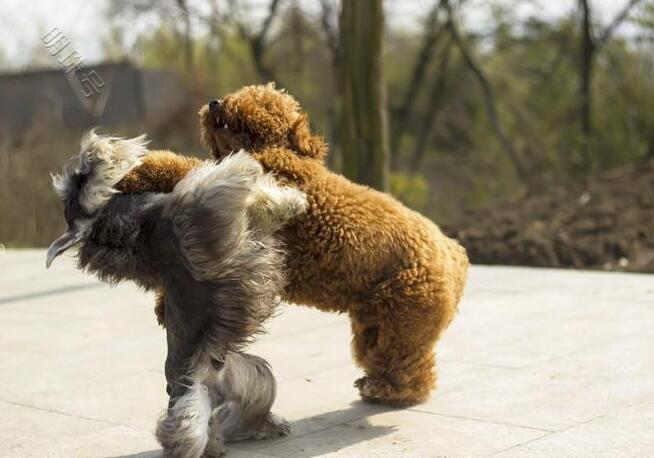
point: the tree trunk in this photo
(585, 83)
(364, 140)
(188, 35)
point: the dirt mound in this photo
(607, 223)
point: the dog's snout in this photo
(214, 106)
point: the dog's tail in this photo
(224, 216)
(217, 205)
(272, 206)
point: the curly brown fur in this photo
(355, 250)
(162, 167)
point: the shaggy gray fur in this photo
(210, 246)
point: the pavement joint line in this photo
(9, 300)
(58, 412)
(110, 423)
(540, 363)
(525, 442)
(624, 337)
(481, 420)
(551, 433)
(475, 363)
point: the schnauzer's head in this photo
(255, 117)
(87, 180)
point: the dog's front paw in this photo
(381, 391)
(215, 445)
(364, 384)
(375, 390)
(367, 389)
(214, 448)
(274, 426)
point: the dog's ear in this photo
(304, 142)
(206, 135)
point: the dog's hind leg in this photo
(395, 333)
(399, 371)
(246, 388)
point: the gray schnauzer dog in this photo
(210, 247)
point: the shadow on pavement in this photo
(150, 454)
(311, 436)
(324, 433)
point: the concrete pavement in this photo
(538, 363)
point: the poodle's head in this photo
(258, 116)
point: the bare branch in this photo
(489, 96)
(617, 21)
(188, 32)
(436, 99)
(401, 116)
(328, 27)
(256, 42)
(265, 28)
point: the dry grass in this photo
(30, 211)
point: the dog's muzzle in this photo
(67, 240)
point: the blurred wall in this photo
(128, 95)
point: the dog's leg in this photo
(398, 370)
(274, 426)
(247, 389)
(183, 430)
(394, 337)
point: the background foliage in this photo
(475, 115)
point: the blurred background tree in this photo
(364, 141)
(478, 112)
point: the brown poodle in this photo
(356, 250)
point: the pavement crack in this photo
(48, 292)
(481, 420)
(476, 363)
(58, 412)
(525, 442)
